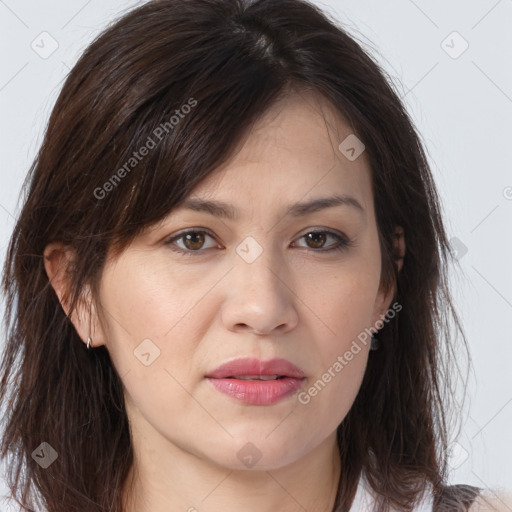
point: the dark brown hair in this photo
(229, 61)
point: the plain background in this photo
(451, 62)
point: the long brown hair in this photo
(228, 61)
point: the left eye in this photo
(193, 241)
(318, 239)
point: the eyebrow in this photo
(228, 211)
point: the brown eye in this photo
(315, 240)
(193, 241)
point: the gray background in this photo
(461, 102)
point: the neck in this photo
(168, 478)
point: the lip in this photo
(257, 392)
(253, 366)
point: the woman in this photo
(226, 288)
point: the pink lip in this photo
(256, 392)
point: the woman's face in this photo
(259, 284)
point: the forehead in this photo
(292, 154)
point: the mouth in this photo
(258, 377)
(255, 369)
(257, 382)
(262, 390)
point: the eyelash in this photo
(343, 242)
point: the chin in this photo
(258, 452)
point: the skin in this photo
(293, 301)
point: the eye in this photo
(317, 239)
(193, 241)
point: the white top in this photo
(364, 500)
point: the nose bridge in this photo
(258, 267)
(258, 295)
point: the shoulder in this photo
(488, 500)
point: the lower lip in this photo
(258, 392)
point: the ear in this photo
(399, 247)
(383, 302)
(57, 261)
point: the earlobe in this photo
(57, 260)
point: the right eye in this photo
(192, 239)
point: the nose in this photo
(260, 297)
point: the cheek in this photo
(342, 350)
(344, 299)
(345, 305)
(152, 339)
(149, 313)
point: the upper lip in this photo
(252, 366)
